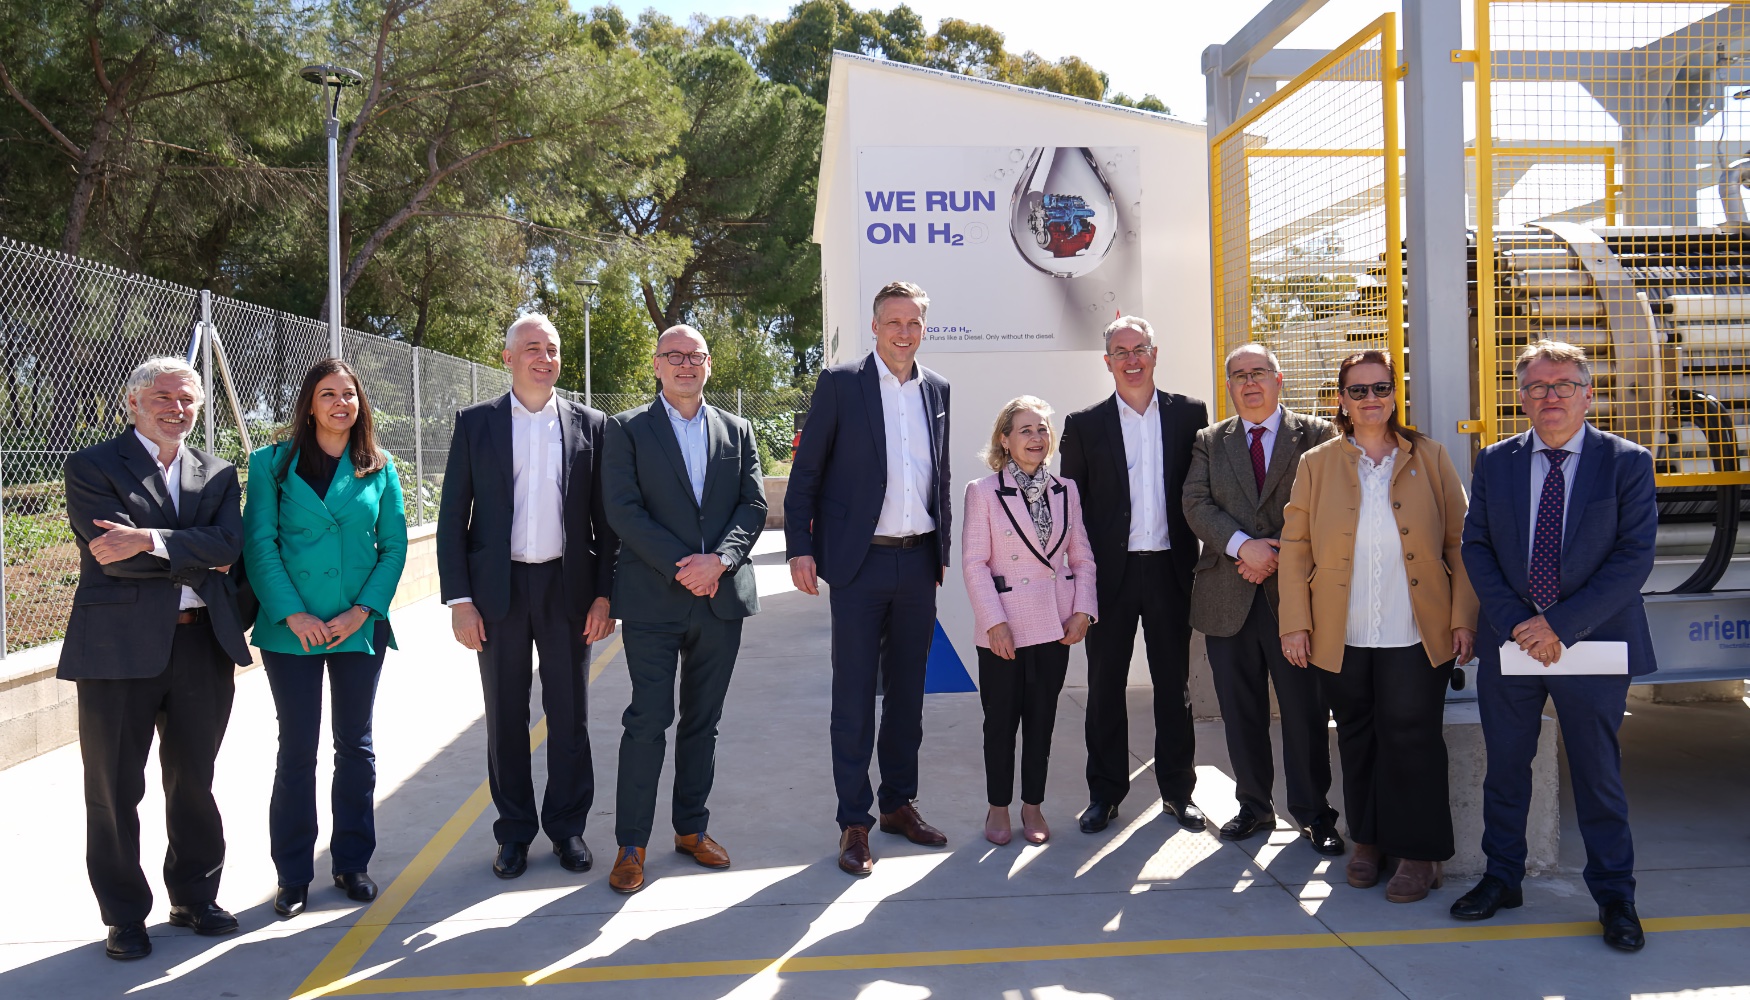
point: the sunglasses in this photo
(1360, 390)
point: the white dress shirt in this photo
(173, 486)
(910, 468)
(690, 435)
(1379, 589)
(537, 525)
(1148, 479)
(1271, 425)
(1540, 470)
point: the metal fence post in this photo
(473, 382)
(3, 636)
(207, 370)
(418, 446)
(738, 401)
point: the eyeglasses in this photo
(1251, 375)
(1541, 390)
(677, 358)
(1136, 355)
(1360, 390)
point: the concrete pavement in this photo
(1143, 910)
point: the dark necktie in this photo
(1546, 544)
(1258, 457)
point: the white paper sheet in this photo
(1580, 658)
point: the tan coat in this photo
(1318, 543)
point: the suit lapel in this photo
(298, 491)
(344, 486)
(871, 385)
(150, 477)
(570, 438)
(1235, 448)
(194, 480)
(1169, 416)
(1585, 481)
(717, 445)
(670, 445)
(1519, 493)
(499, 433)
(1281, 453)
(930, 394)
(1115, 435)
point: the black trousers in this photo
(1019, 693)
(188, 705)
(1244, 666)
(537, 621)
(703, 647)
(1149, 594)
(883, 621)
(1390, 705)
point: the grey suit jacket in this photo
(124, 614)
(650, 504)
(1222, 497)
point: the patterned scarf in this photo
(1036, 491)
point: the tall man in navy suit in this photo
(868, 511)
(1558, 542)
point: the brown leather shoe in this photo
(1363, 869)
(628, 874)
(906, 822)
(1413, 880)
(701, 848)
(854, 857)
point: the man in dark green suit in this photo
(683, 488)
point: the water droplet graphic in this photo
(1062, 216)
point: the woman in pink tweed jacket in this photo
(1030, 573)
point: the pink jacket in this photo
(1002, 562)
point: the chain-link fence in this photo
(1304, 195)
(70, 332)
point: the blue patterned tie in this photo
(1546, 545)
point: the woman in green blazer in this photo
(324, 540)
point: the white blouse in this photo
(1379, 589)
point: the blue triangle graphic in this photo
(943, 672)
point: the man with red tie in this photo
(1241, 472)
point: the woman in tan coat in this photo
(1375, 595)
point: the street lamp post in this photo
(589, 286)
(339, 78)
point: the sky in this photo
(1144, 46)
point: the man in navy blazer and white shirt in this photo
(1558, 543)
(868, 510)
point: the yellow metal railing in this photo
(1645, 262)
(1306, 223)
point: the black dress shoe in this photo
(1622, 926)
(290, 900)
(1186, 812)
(206, 919)
(1325, 838)
(127, 942)
(1491, 894)
(1247, 825)
(1095, 817)
(512, 860)
(358, 886)
(573, 854)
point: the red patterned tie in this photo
(1258, 457)
(1546, 544)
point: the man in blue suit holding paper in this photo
(1558, 542)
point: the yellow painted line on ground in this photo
(1461, 934)
(330, 975)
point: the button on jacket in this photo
(1004, 575)
(321, 555)
(1319, 534)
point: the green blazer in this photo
(321, 556)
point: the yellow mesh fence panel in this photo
(1307, 252)
(1612, 143)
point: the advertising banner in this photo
(1024, 248)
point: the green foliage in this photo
(1147, 102)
